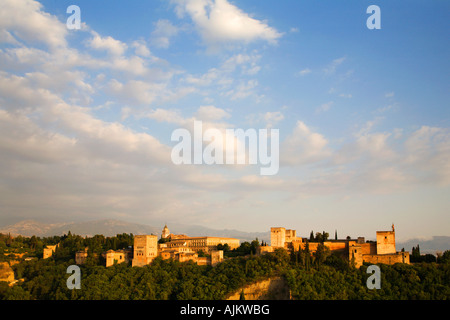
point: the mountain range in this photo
(110, 227)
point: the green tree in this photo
(254, 245)
(415, 254)
(318, 237)
(321, 254)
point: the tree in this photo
(318, 237)
(307, 254)
(164, 240)
(429, 258)
(445, 257)
(33, 242)
(225, 247)
(254, 246)
(311, 236)
(415, 254)
(321, 254)
(201, 253)
(8, 240)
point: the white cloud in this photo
(31, 24)
(169, 116)
(163, 32)
(272, 118)
(224, 75)
(304, 72)
(428, 151)
(243, 90)
(303, 146)
(141, 49)
(211, 113)
(247, 63)
(222, 22)
(6, 37)
(109, 44)
(135, 91)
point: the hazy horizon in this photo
(86, 115)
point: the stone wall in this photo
(400, 257)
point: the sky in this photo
(87, 115)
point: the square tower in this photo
(145, 250)
(290, 235)
(277, 237)
(385, 242)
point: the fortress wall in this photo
(369, 248)
(386, 258)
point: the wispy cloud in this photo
(331, 68)
(324, 107)
(164, 31)
(303, 72)
(389, 95)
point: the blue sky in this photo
(86, 115)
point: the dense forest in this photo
(310, 276)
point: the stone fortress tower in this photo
(145, 250)
(386, 241)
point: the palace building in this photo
(204, 250)
(357, 250)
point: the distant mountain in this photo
(28, 228)
(436, 243)
(111, 227)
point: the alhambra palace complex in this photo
(183, 248)
(357, 250)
